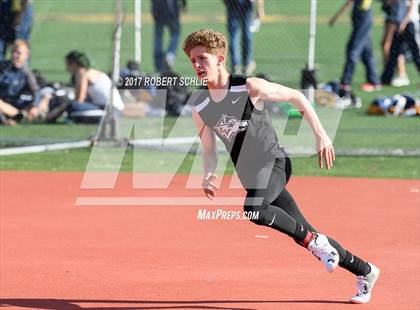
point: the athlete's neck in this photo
(221, 81)
(219, 88)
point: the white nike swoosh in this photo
(351, 259)
(272, 220)
(236, 100)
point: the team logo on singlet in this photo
(229, 126)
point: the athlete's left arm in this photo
(260, 90)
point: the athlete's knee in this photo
(261, 213)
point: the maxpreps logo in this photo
(229, 126)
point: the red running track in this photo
(56, 255)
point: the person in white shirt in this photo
(92, 88)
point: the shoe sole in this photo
(336, 262)
(330, 270)
(373, 284)
(335, 265)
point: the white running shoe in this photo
(324, 251)
(400, 81)
(365, 285)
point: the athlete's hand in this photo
(209, 187)
(325, 151)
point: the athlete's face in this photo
(205, 64)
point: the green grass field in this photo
(76, 160)
(280, 52)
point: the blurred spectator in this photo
(239, 22)
(17, 86)
(166, 13)
(406, 33)
(16, 18)
(92, 90)
(395, 11)
(359, 45)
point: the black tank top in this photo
(246, 132)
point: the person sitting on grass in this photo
(92, 90)
(17, 86)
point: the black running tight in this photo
(277, 209)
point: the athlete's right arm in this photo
(208, 142)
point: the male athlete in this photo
(232, 107)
